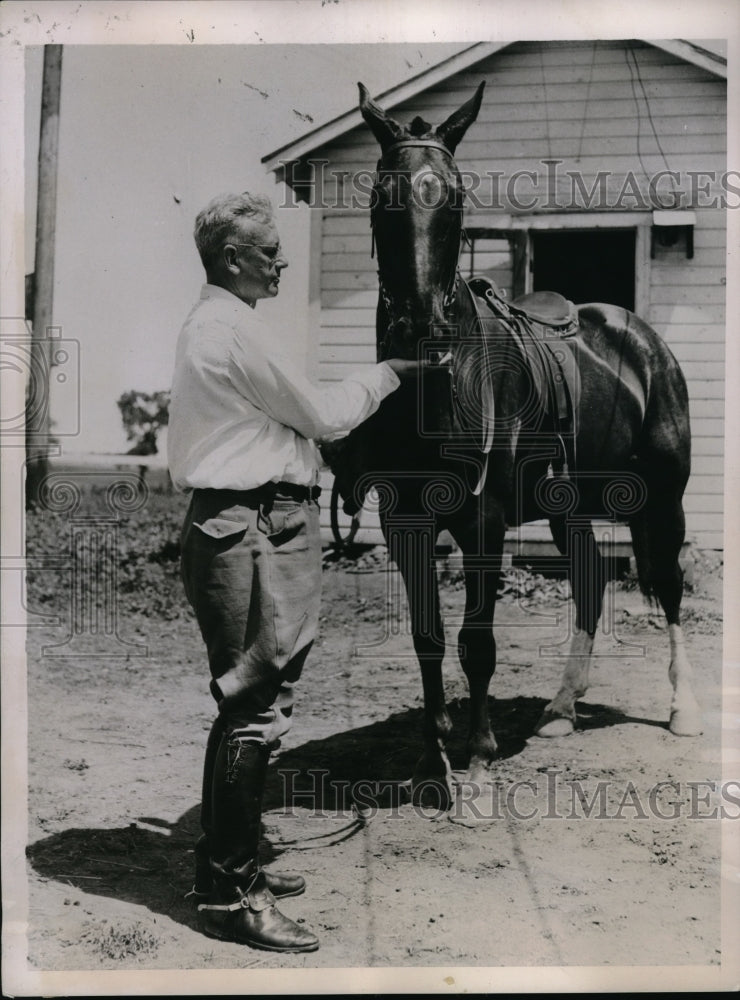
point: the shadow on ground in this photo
(150, 862)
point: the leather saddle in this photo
(541, 324)
(548, 309)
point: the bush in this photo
(131, 557)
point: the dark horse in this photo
(523, 413)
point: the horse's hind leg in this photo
(658, 532)
(587, 571)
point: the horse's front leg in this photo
(412, 549)
(481, 539)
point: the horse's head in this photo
(417, 221)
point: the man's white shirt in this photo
(242, 413)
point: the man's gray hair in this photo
(219, 221)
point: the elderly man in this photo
(243, 420)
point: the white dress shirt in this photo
(242, 414)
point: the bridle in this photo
(467, 301)
(450, 293)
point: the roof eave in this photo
(390, 98)
(326, 133)
(692, 53)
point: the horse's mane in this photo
(420, 129)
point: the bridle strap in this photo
(450, 294)
(431, 143)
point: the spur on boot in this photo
(279, 885)
(242, 909)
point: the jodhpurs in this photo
(252, 573)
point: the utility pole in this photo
(38, 420)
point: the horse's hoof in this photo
(551, 726)
(472, 813)
(432, 793)
(432, 783)
(686, 722)
(479, 774)
(475, 805)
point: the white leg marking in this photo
(559, 716)
(685, 711)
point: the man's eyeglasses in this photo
(267, 250)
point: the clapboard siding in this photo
(676, 285)
(703, 407)
(686, 150)
(570, 110)
(663, 315)
(707, 294)
(627, 109)
(569, 127)
(680, 276)
(696, 351)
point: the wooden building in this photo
(597, 169)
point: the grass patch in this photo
(118, 943)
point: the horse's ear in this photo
(384, 128)
(452, 131)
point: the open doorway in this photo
(596, 265)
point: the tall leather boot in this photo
(240, 906)
(280, 885)
(203, 877)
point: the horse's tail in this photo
(658, 527)
(646, 575)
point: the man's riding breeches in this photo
(252, 573)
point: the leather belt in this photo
(293, 490)
(268, 492)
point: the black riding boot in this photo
(240, 906)
(203, 878)
(279, 885)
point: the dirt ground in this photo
(115, 751)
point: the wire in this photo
(544, 102)
(629, 51)
(585, 105)
(647, 108)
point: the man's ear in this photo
(229, 259)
